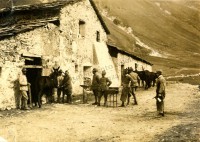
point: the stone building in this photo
(124, 59)
(70, 33)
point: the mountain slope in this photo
(170, 29)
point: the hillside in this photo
(166, 33)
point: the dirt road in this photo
(88, 123)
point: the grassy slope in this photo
(177, 33)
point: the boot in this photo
(105, 104)
(122, 105)
(26, 106)
(95, 103)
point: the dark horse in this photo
(147, 77)
(45, 85)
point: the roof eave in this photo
(129, 54)
(99, 16)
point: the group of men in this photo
(129, 86)
(99, 86)
(64, 87)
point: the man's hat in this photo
(95, 70)
(159, 71)
(103, 72)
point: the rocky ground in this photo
(89, 123)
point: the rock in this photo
(8, 108)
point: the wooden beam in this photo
(33, 66)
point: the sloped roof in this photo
(100, 17)
(21, 18)
(10, 25)
(120, 50)
(121, 41)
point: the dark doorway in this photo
(32, 74)
(34, 69)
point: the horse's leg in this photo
(49, 96)
(39, 98)
(143, 83)
(146, 84)
(58, 93)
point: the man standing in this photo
(126, 87)
(134, 84)
(104, 85)
(23, 98)
(95, 85)
(67, 87)
(160, 92)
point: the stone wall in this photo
(76, 45)
(63, 44)
(130, 62)
(41, 41)
(71, 44)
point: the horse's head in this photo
(126, 71)
(53, 76)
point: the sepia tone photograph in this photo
(99, 70)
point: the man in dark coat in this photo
(67, 87)
(95, 85)
(160, 92)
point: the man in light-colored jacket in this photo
(160, 92)
(104, 86)
(23, 96)
(134, 84)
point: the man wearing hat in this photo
(23, 98)
(104, 85)
(134, 84)
(95, 85)
(67, 87)
(126, 82)
(160, 92)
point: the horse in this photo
(45, 85)
(147, 77)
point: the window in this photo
(98, 36)
(76, 68)
(82, 28)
